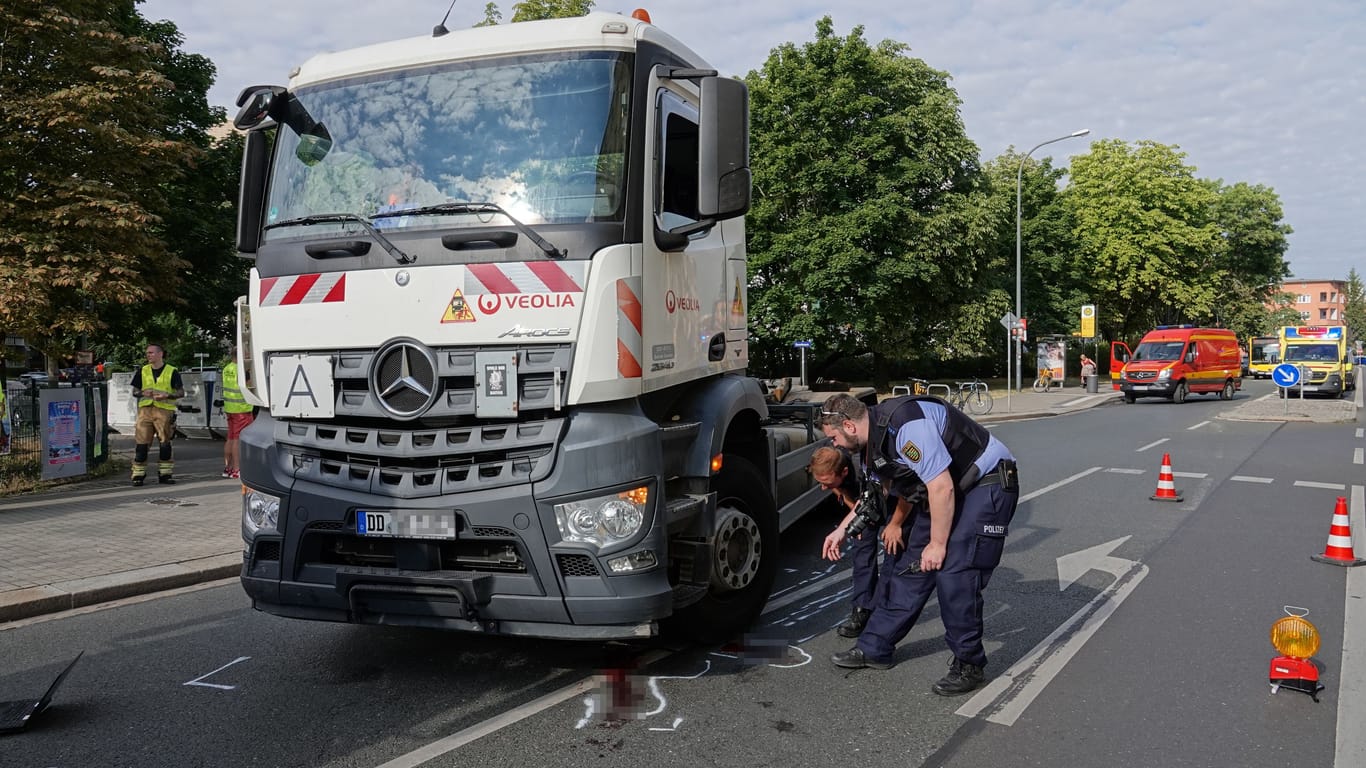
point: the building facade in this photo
(1319, 302)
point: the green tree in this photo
(85, 157)
(1251, 259)
(1146, 237)
(870, 226)
(1354, 314)
(536, 10)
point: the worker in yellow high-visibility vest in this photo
(239, 414)
(158, 386)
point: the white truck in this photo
(496, 331)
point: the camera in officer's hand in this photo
(871, 509)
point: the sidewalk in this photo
(84, 544)
(103, 540)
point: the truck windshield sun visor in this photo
(453, 209)
(337, 218)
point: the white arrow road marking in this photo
(1006, 697)
(216, 671)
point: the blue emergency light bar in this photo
(1314, 332)
(1169, 327)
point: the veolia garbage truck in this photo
(496, 334)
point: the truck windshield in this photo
(543, 137)
(1159, 350)
(1311, 353)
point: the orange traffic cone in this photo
(1339, 549)
(1166, 484)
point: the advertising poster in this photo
(63, 432)
(1051, 356)
(6, 426)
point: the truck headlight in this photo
(1165, 373)
(603, 520)
(260, 511)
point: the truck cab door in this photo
(1119, 355)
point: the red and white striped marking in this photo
(1339, 548)
(1166, 483)
(303, 289)
(525, 277)
(628, 328)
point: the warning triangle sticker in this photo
(458, 310)
(737, 306)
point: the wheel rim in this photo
(739, 548)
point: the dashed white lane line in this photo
(1248, 479)
(1360, 432)
(1152, 444)
(1357, 456)
(1193, 475)
(1121, 471)
(1312, 484)
(1058, 484)
(1196, 426)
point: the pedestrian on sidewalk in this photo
(157, 387)
(239, 413)
(1088, 369)
(954, 547)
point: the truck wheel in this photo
(1179, 395)
(1129, 398)
(744, 559)
(1227, 394)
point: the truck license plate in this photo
(406, 523)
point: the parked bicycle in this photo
(1045, 380)
(972, 397)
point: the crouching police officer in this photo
(973, 487)
(834, 469)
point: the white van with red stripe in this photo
(496, 328)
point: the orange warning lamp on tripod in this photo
(1296, 640)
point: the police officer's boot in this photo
(962, 678)
(853, 626)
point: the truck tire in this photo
(1130, 398)
(1227, 393)
(1179, 394)
(744, 561)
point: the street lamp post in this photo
(1019, 304)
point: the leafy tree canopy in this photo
(870, 227)
(92, 137)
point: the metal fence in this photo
(33, 435)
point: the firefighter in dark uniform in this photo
(157, 386)
(954, 545)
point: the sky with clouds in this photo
(1269, 92)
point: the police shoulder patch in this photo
(911, 451)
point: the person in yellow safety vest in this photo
(157, 386)
(239, 413)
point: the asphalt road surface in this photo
(1122, 632)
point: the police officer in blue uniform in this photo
(836, 471)
(956, 539)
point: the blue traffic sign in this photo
(802, 344)
(1285, 375)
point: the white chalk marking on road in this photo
(1357, 456)
(792, 597)
(1196, 426)
(1007, 696)
(1059, 484)
(590, 708)
(1328, 486)
(216, 671)
(1350, 750)
(1250, 479)
(1152, 444)
(654, 687)
(1121, 471)
(803, 663)
(677, 722)
(1192, 475)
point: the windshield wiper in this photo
(457, 208)
(332, 218)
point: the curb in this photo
(78, 593)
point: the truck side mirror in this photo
(251, 198)
(723, 175)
